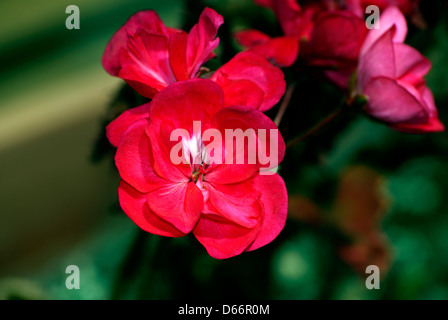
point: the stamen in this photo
(195, 154)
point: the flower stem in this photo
(314, 129)
(285, 104)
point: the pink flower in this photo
(230, 208)
(391, 76)
(150, 57)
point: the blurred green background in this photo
(59, 207)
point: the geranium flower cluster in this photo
(333, 36)
(201, 156)
(232, 203)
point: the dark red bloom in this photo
(335, 44)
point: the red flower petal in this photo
(280, 51)
(290, 15)
(179, 204)
(241, 92)
(145, 65)
(149, 56)
(116, 129)
(223, 238)
(251, 37)
(251, 160)
(147, 20)
(178, 56)
(133, 159)
(337, 36)
(253, 67)
(134, 205)
(201, 40)
(177, 107)
(274, 200)
(161, 146)
(184, 102)
(236, 202)
(335, 43)
(433, 125)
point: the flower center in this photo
(195, 153)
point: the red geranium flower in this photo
(150, 57)
(391, 76)
(230, 208)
